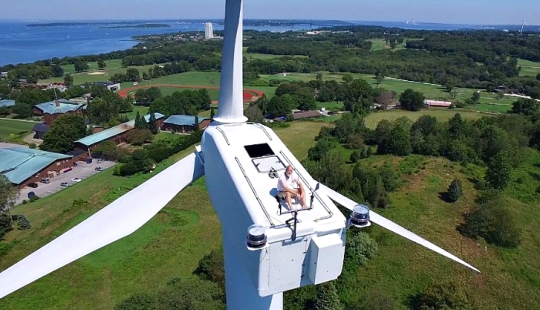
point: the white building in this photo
(208, 31)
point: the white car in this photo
(76, 180)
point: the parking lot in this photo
(81, 171)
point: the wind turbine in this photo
(267, 250)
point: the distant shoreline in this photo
(137, 26)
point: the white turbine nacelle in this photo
(241, 179)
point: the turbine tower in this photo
(269, 246)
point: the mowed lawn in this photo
(170, 245)
(528, 68)
(380, 44)
(442, 115)
(93, 74)
(488, 101)
(9, 126)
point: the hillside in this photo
(171, 244)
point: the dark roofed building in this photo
(184, 123)
(40, 130)
(306, 114)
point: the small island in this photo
(138, 26)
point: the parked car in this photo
(64, 184)
(31, 194)
(33, 185)
(45, 180)
(76, 180)
(99, 169)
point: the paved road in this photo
(5, 145)
(81, 171)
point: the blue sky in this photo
(449, 11)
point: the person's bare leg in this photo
(288, 198)
(302, 195)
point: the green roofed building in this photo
(117, 134)
(22, 165)
(7, 103)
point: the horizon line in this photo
(267, 19)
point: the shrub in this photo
(492, 221)
(360, 247)
(446, 295)
(5, 248)
(23, 223)
(454, 191)
(34, 198)
(212, 267)
(355, 156)
(5, 224)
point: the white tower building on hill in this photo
(208, 31)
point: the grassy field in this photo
(9, 126)
(168, 246)
(509, 278)
(380, 44)
(442, 115)
(173, 242)
(528, 68)
(488, 101)
(95, 75)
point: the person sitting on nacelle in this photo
(289, 186)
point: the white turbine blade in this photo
(379, 220)
(117, 220)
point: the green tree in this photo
(411, 100)
(254, 114)
(347, 78)
(8, 195)
(499, 171)
(101, 64)
(22, 110)
(212, 267)
(152, 124)
(454, 191)
(277, 107)
(524, 106)
(68, 80)
(327, 297)
(132, 74)
(492, 221)
(63, 132)
(80, 66)
(475, 96)
(57, 71)
(398, 142)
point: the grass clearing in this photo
(169, 245)
(442, 115)
(11, 126)
(528, 68)
(509, 277)
(380, 44)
